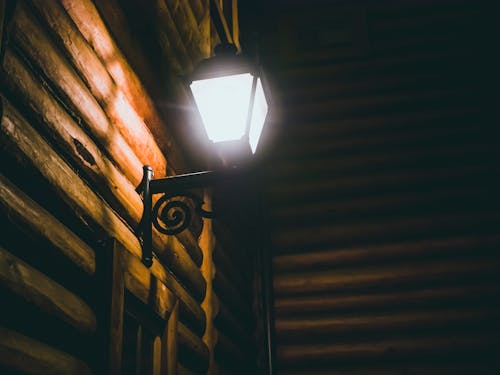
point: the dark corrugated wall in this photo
(384, 193)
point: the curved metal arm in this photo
(171, 214)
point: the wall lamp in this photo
(231, 100)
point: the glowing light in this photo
(223, 105)
(258, 116)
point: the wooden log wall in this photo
(80, 115)
(385, 186)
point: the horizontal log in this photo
(66, 133)
(428, 77)
(181, 370)
(187, 25)
(366, 182)
(223, 263)
(312, 327)
(380, 350)
(441, 199)
(34, 218)
(81, 198)
(377, 65)
(232, 296)
(234, 250)
(101, 84)
(460, 366)
(200, 9)
(83, 151)
(187, 239)
(233, 326)
(151, 293)
(86, 17)
(382, 277)
(122, 28)
(445, 38)
(318, 234)
(437, 296)
(391, 17)
(19, 134)
(27, 355)
(79, 147)
(193, 353)
(140, 279)
(46, 294)
(370, 254)
(170, 38)
(449, 130)
(335, 165)
(228, 322)
(386, 127)
(228, 351)
(222, 27)
(370, 85)
(411, 100)
(29, 36)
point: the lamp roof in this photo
(225, 62)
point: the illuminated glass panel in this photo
(223, 105)
(258, 116)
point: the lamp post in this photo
(230, 98)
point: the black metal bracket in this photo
(171, 214)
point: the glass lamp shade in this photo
(232, 106)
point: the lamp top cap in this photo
(225, 62)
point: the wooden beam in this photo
(81, 198)
(190, 311)
(55, 67)
(81, 149)
(341, 257)
(220, 22)
(152, 292)
(382, 204)
(318, 234)
(228, 352)
(232, 296)
(193, 352)
(181, 370)
(85, 15)
(29, 36)
(232, 325)
(115, 305)
(233, 249)
(224, 264)
(115, 103)
(170, 342)
(437, 296)
(209, 304)
(310, 327)
(402, 348)
(65, 132)
(335, 165)
(44, 293)
(34, 218)
(27, 355)
(120, 25)
(235, 23)
(381, 277)
(169, 36)
(321, 186)
(183, 16)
